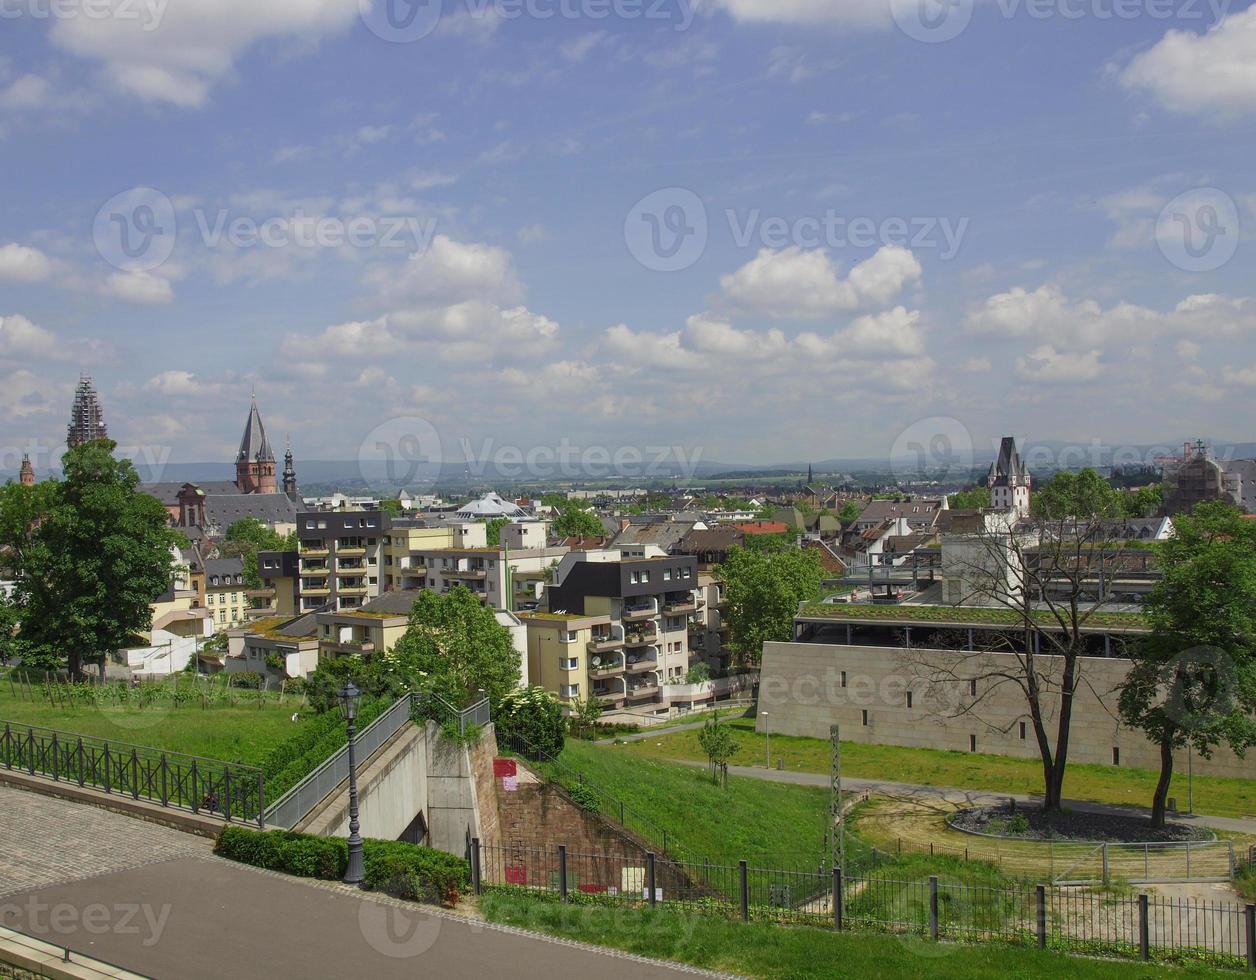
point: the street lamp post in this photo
(349, 697)
(768, 733)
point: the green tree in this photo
(763, 589)
(9, 618)
(1145, 501)
(554, 499)
(455, 647)
(585, 714)
(849, 511)
(246, 537)
(392, 507)
(531, 722)
(575, 521)
(1082, 495)
(718, 743)
(1193, 683)
(100, 555)
(493, 530)
(974, 498)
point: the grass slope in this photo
(751, 820)
(771, 951)
(931, 767)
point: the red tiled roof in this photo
(763, 527)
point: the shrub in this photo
(532, 722)
(584, 796)
(395, 867)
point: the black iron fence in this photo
(170, 779)
(1072, 920)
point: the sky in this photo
(752, 230)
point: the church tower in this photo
(255, 463)
(27, 475)
(289, 472)
(87, 420)
(1009, 480)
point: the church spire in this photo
(255, 462)
(289, 469)
(87, 419)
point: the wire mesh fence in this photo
(1071, 920)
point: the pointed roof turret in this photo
(254, 445)
(1008, 470)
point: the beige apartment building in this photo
(369, 630)
(575, 656)
(339, 555)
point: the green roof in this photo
(964, 616)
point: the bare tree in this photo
(1048, 576)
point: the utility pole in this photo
(837, 820)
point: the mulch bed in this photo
(1072, 825)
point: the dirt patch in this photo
(1024, 823)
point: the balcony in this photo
(609, 692)
(640, 639)
(604, 644)
(350, 551)
(476, 574)
(268, 593)
(318, 593)
(352, 590)
(356, 565)
(678, 607)
(350, 646)
(314, 551)
(315, 571)
(609, 668)
(643, 692)
(642, 664)
(635, 614)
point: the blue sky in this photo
(1040, 225)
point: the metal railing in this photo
(1138, 927)
(296, 804)
(170, 779)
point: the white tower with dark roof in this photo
(1009, 480)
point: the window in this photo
(687, 573)
(570, 690)
(635, 578)
(1022, 731)
(568, 663)
(667, 575)
(1116, 756)
(972, 743)
(865, 717)
(972, 688)
(645, 577)
(909, 699)
(568, 636)
(844, 684)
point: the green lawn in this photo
(931, 767)
(751, 820)
(772, 951)
(234, 734)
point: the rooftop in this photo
(963, 616)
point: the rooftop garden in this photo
(964, 615)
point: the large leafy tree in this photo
(246, 537)
(1193, 684)
(455, 647)
(975, 498)
(762, 590)
(1084, 494)
(101, 553)
(574, 521)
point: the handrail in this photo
(170, 779)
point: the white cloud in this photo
(836, 13)
(22, 263)
(1047, 364)
(142, 288)
(1207, 73)
(20, 339)
(27, 92)
(450, 271)
(1048, 315)
(895, 332)
(801, 284)
(579, 48)
(177, 56)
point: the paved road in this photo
(192, 915)
(883, 787)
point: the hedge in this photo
(291, 760)
(395, 867)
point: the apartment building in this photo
(281, 579)
(646, 602)
(507, 576)
(292, 639)
(576, 656)
(368, 630)
(339, 558)
(223, 592)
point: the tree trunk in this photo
(1160, 800)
